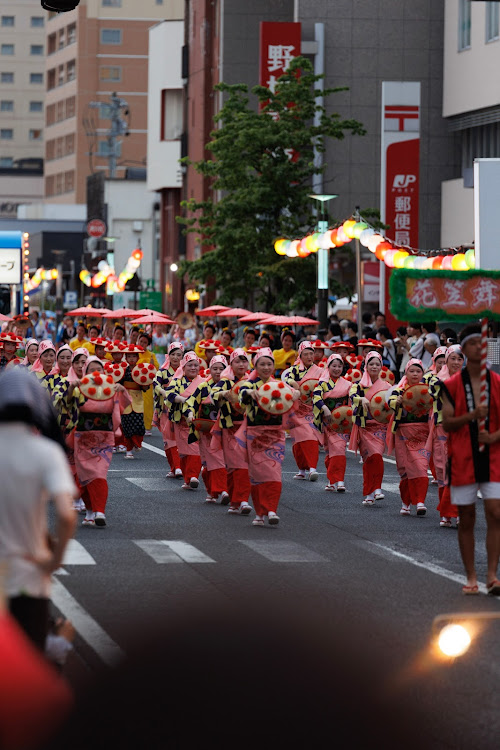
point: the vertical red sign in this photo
(279, 44)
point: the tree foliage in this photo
(260, 175)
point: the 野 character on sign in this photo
(279, 56)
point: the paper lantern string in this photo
(106, 274)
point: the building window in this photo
(6, 105)
(7, 49)
(36, 106)
(37, 22)
(36, 77)
(112, 3)
(36, 134)
(61, 38)
(60, 75)
(51, 79)
(171, 114)
(111, 36)
(7, 77)
(69, 144)
(70, 106)
(49, 186)
(6, 161)
(36, 49)
(69, 181)
(463, 24)
(60, 111)
(8, 21)
(71, 70)
(50, 114)
(59, 183)
(6, 134)
(51, 46)
(492, 25)
(110, 73)
(72, 33)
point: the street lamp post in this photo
(359, 279)
(323, 262)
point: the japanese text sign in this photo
(279, 44)
(445, 295)
(10, 265)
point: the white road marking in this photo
(154, 449)
(85, 625)
(391, 487)
(153, 484)
(426, 565)
(283, 551)
(162, 551)
(76, 554)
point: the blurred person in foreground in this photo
(34, 470)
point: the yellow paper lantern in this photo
(279, 247)
(399, 258)
(348, 227)
(458, 262)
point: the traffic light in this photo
(59, 6)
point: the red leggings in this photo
(238, 485)
(445, 506)
(133, 442)
(413, 491)
(373, 473)
(191, 467)
(335, 468)
(306, 454)
(95, 495)
(215, 481)
(173, 459)
(265, 497)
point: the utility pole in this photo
(113, 110)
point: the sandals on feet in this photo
(493, 588)
(468, 590)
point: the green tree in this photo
(262, 167)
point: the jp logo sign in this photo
(404, 180)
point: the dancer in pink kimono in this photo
(299, 422)
(94, 442)
(165, 425)
(224, 433)
(331, 392)
(201, 405)
(184, 382)
(262, 437)
(437, 443)
(410, 433)
(368, 435)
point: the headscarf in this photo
(171, 347)
(265, 351)
(62, 349)
(444, 373)
(188, 357)
(404, 380)
(303, 345)
(29, 342)
(229, 372)
(72, 376)
(366, 380)
(331, 358)
(23, 399)
(440, 352)
(220, 358)
(44, 346)
(89, 361)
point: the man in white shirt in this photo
(426, 345)
(34, 470)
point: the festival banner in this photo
(279, 44)
(400, 172)
(445, 295)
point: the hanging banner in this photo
(445, 295)
(279, 44)
(400, 172)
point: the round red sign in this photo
(96, 228)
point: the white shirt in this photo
(419, 352)
(32, 469)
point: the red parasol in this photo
(289, 320)
(125, 312)
(148, 311)
(253, 317)
(212, 310)
(236, 312)
(157, 318)
(94, 311)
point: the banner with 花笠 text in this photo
(399, 173)
(445, 295)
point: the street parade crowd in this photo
(226, 408)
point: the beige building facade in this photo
(471, 104)
(92, 52)
(22, 89)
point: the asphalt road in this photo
(373, 578)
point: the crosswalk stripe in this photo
(391, 487)
(76, 554)
(154, 449)
(277, 551)
(154, 484)
(163, 551)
